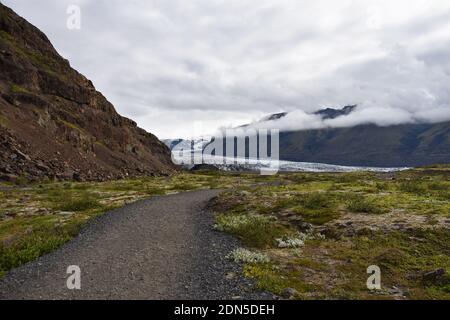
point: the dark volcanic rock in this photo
(204, 167)
(330, 113)
(53, 123)
(276, 116)
(436, 277)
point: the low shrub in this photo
(246, 256)
(254, 230)
(363, 205)
(76, 203)
(416, 187)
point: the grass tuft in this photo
(363, 205)
(255, 230)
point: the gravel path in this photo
(162, 248)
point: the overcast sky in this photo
(181, 68)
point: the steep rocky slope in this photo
(53, 123)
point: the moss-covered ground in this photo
(320, 231)
(399, 222)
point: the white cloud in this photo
(216, 62)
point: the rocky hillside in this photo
(54, 124)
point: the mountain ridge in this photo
(400, 145)
(54, 123)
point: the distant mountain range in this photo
(405, 145)
(367, 144)
(370, 145)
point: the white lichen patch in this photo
(298, 240)
(235, 222)
(247, 256)
(290, 242)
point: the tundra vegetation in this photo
(36, 218)
(304, 235)
(320, 232)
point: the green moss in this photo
(6, 36)
(45, 236)
(415, 187)
(335, 268)
(24, 238)
(154, 191)
(261, 209)
(353, 177)
(317, 217)
(310, 264)
(29, 249)
(317, 207)
(443, 195)
(18, 89)
(35, 57)
(255, 231)
(71, 125)
(183, 187)
(3, 121)
(80, 204)
(382, 186)
(360, 204)
(390, 258)
(438, 186)
(274, 279)
(317, 201)
(402, 256)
